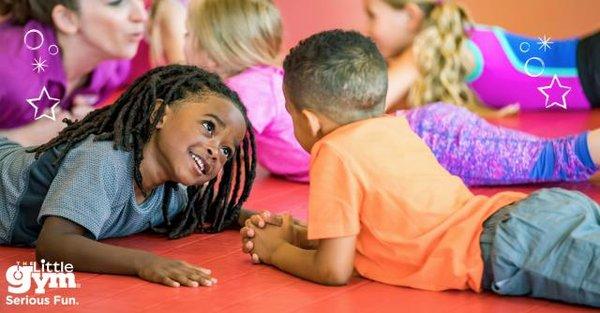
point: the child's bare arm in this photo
(331, 263)
(63, 240)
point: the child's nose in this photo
(212, 152)
(138, 12)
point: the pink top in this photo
(260, 89)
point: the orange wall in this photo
(553, 18)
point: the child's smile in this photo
(199, 164)
(197, 137)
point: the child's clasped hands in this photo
(264, 233)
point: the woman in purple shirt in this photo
(58, 58)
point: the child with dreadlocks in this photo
(380, 203)
(240, 40)
(124, 169)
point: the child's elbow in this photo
(337, 280)
(337, 276)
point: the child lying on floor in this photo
(124, 169)
(240, 40)
(381, 204)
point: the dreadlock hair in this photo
(130, 123)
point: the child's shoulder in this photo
(370, 131)
(376, 140)
(101, 153)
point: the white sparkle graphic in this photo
(565, 92)
(545, 43)
(43, 94)
(39, 65)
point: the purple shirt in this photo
(20, 81)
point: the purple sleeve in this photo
(108, 77)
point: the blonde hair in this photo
(237, 34)
(441, 54)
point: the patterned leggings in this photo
(483, 154)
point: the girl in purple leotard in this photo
(463, 142)
(436, 54)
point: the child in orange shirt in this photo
(382, 205)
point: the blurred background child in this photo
(240, 40)
(435, 53)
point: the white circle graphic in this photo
(524, 47)
(38, 33)
(53, 49)
(542, 65)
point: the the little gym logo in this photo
(24, 277)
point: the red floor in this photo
(251, 288)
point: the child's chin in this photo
(194, 181)
(187, 180)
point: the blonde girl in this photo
(240, 40)
(436, 53)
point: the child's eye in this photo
(115, 2)
(227, 151)
(209, 126)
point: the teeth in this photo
(198, 161)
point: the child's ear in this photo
(166, 115)
(415, 16)
(65, 20)
(313, 121)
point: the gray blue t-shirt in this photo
(93, 186)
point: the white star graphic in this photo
(39, 65)
(545, 43)
(566, 91)
(44, 94)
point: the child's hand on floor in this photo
(174, 273)
(265, 241)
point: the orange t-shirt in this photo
(416, 224)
